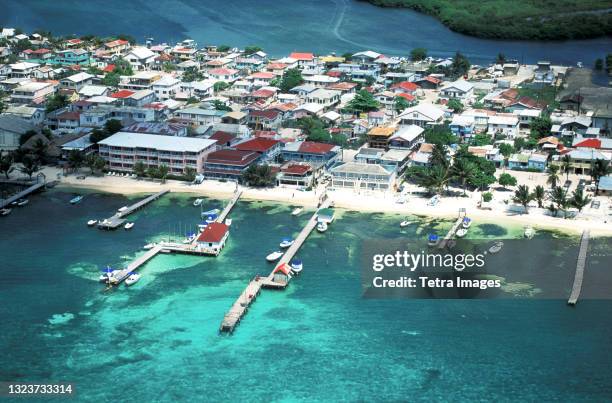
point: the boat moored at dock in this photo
(197, 202)
(5, 212)
(274, 256)
(128, 226)
(91, 223)
(286, 242)
(132, 279)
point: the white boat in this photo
(128, 225)
(202, 226)
(286, 242)
(497, 246)
(22, 202)
(322, 227)
(76, 200)
(433, 201)
(149, 246)
(189, 239)
(122, 209)
(107, 275)
(461, 232)
(197, 202)
(228, 222)
(529, 232)
(296, 211)
(274, 256)
(5, 211)
(132, 278)
(296, 266)
(405, 223)
(467, 222)
(214, 211)
(91, 223)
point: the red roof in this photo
(222, 137)
(406, 96)
(433, 80)
(68, 116)
(276, 66)
(406, 86)
(589, 143)
(213, 233)
(262, 93)
(109, 68)
(334, 73)
(122, 94)
(296, 169)
(232, 157)
(285, 268)
(222, 72)
(313, 147)
(301, 56)
(118, 42)
(258, 144)
(264, 75)
(41, 51)
(268, 114)
(264, 133)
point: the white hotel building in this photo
(122, 150)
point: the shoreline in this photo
(345, 199)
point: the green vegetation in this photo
(291, 78)
(519, 19)
(362, 102)
(111, 127)
(417, 54)
(506, 180)
(522, 196)
(259, 176)
(56, 101)
(192, 74)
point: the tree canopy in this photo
(362, 102)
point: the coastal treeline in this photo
(518, 19)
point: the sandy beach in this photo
(598, 222)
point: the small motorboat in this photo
(210, 218)
(132, 278)
(189, 239)
(228, 222)
(128, 225)
(286, 242)
(202, 226)
(76, 200)
(149, 246)
(296, 266)
(405, 223)
(497, 246)
(296, 211)
(5, 211)
(22, 202)
(197, 202)
(274, 256)
(122, 209)
(108, 274)
(433, 240)
(467, 222)
(322, 227)
(214, 211)
(529, 232)
(91, 223)
(461, 232)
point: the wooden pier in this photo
(240, 307)
(453, 230)
(580, 266)
(118, 218)
(230, 205)
(123, 274)
(23, 193)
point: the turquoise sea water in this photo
(317, 340)
(281, 27)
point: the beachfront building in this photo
(378, 137)
(11, 129)
(582, 159)
(122, 150)
(312, 152)
(213, 237)
(298, 174)
(528, 161)
(268, 149)
(359, 176)
(228, 164)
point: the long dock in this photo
(21, 194)
(230, 205)
(123, 274)
(453, 230)
(241, 305)
(580, 266)
(118, 218)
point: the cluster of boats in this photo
(91, 223)
(17, 203)
(109, 276)
(465, 225)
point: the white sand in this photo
(597, 221)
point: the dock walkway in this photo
(240, 307)
(453, 230)
(580, 266)
(118, 218)
(123, 274)
(21, 194)
(230, 205)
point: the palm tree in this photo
(90, 161)
(559, 197)
(600, 169)
(162, 172)
(39, 149)
(434, 179)
(462, 170)
(29, 166)
(439, 155)
(139, 169)
(539, 194)
(553, 176)
(75, 159)
(566, 162)
(579, 200)
(6, 164)
(522, 196)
